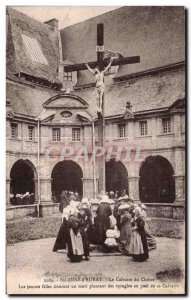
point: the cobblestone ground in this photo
(33, 263)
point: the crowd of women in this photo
(119, 225)
(22, 199)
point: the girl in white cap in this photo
(138, 245)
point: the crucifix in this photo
(100, 67)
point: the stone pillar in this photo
(88, 187)
(179, 188)
(8, 182)
(177, 128)
(179, 175)
(35, 190)
(45, 190)
(134, 187)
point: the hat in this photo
(27, 194)
(105, 199)
(111, 192)
(124, 206)
(85, 200)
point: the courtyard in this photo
(32, 268)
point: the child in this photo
(112, 234)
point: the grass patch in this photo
(32, 229)
(175, 274)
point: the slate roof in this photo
(148, 93)
(155, 33)
(17, 58)
(27, 100)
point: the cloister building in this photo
(52, 118)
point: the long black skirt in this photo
(60, 242)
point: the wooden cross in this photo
(101, 63)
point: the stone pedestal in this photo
(45, 190)
(134, 187)
(48, 209)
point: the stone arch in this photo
(22, 176)
(66, 175)
(156, 183)
(116, 176)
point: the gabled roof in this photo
(156, 33)
(36, 34)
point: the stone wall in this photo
(21, 211)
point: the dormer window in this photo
(33, 50)
(68, 76)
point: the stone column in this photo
(45, 190)
(88, 187)
(8, 182)
(177, 128)
(179, 188)
(134, 187)
(179, 175)
(35, 190)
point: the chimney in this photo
(53, 23)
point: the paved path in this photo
(34, 263)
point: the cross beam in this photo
(93, 64)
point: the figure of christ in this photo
(100, 86)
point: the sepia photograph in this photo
(95, 150)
